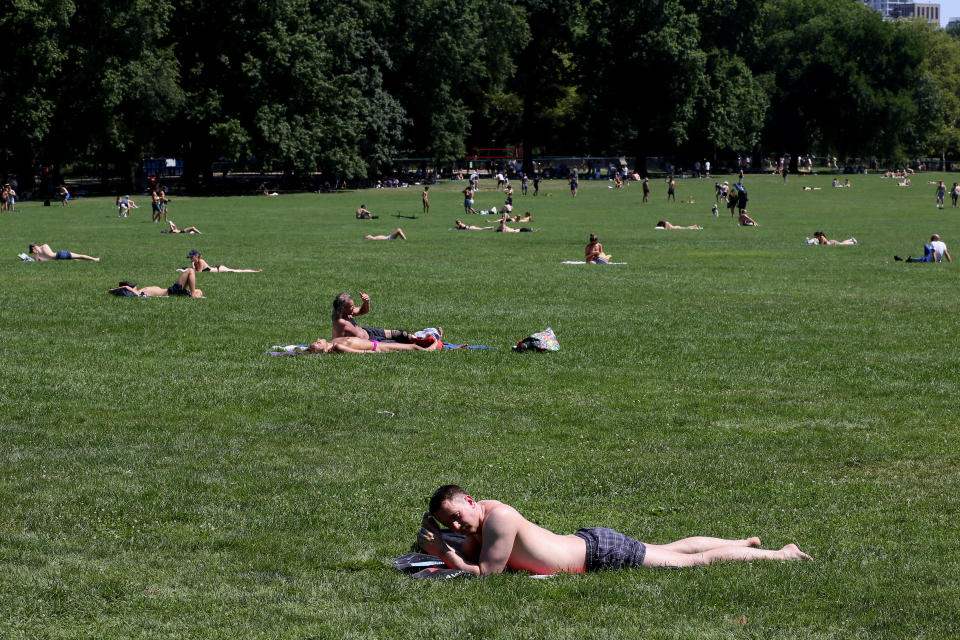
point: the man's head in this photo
(33, 247)
(934, 237)
(453, 508)
(342, 305)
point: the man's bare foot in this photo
(440, 331)
(753, 542)
(96, 259)
(792, 552)
(436, 344)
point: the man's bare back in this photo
(515, 542)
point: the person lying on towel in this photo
(362, 345)
(498, 537)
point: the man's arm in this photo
(498, 535)
(946, 254)
(365, 307)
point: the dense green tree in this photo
(942, 66)
(651, 46)
(295, 84)
(118, 85)
(33, 60)
(452, 60)
(846, 83)
(546, 81)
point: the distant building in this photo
(894, 9)
(925, 10)
(953, 23)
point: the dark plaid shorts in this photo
(608, 549)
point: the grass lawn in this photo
(161, 477)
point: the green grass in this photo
(161, 477)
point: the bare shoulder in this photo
(500, 514)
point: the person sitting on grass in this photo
(593, 252)
(199, 264)
(933, 251)
(174, 229)
(820, 238)
(364, 214)
(469, 227)
(345, 326)
(746, 221)
(397, 233)
(186, 285)
(352, 344)
(43, 252)
(497, 537)
(124, 204)
(666, 224)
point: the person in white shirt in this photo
(933, 251)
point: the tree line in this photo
(301, 86)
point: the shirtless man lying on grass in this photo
(43, 252)
(361, 345)
(186, 285)
(498, 537)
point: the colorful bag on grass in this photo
(546, 340)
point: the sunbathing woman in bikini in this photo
(352, 344)
(174, 229)
(593, 252)
(398, 233)
(199, 264)
(665, 224)
(470, 227)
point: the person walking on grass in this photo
(646, 190)
(157, 209)
(671, 189)
(497, 537)
(43, 252)
(941, 192)
(426, 199)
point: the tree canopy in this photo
(302, 86)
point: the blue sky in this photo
(949, 9)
